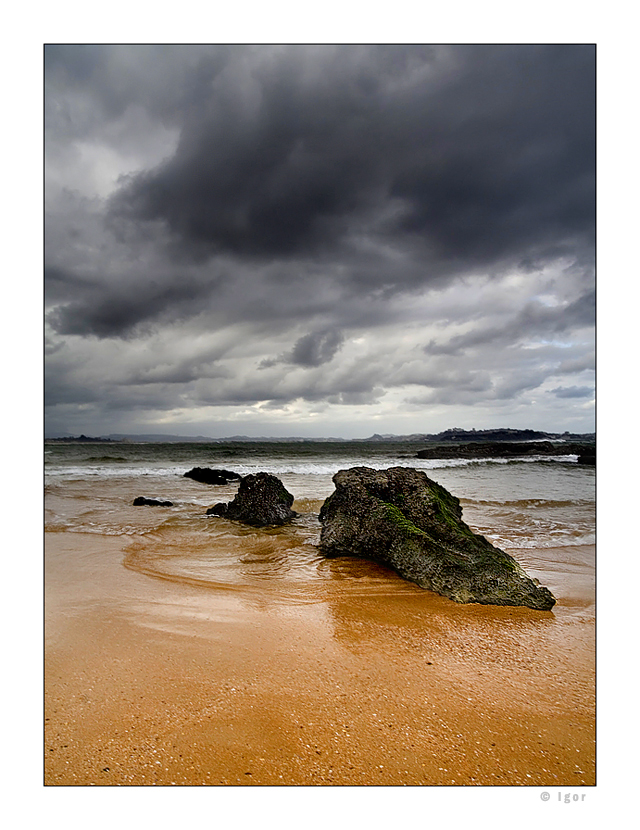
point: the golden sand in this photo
(152, 682)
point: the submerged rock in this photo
(261, 500)
(141, 500)
(401, 518)
(209, 476)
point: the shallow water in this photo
(540, 511)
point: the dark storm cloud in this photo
(59, 283)
(473, 156)
(373, 169)
(107, 308)
(276, 227)
(316, 348)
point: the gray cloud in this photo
(534, 320)
(465, 145)
(573, 391)
(316, 348)
(117, 311)
(327, 226)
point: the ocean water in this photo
(541, 510)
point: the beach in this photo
(147, 683)
(327, 673)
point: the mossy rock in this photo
(401, 518)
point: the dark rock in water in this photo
(401, 518)
(503, 449)
(587, 458)
(491, 449)
(141, 500)
(209, 476)
(261, 500)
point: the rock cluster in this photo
(261, 500)
(401, 518)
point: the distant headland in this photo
(448, 436)
(80, 439)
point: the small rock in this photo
(141, 500)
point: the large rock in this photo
(262, 499)
(208, 476)
(403, 519)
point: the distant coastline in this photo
(449, 436)
(80, 439)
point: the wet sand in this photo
(148, 681)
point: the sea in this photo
(541, 510)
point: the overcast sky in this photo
(319, 240)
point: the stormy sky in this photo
(319, 240)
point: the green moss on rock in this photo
(403, 519)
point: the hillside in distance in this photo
(457, 435)
(448, 436)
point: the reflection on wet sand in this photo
(328, 672)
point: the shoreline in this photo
(152, 682)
